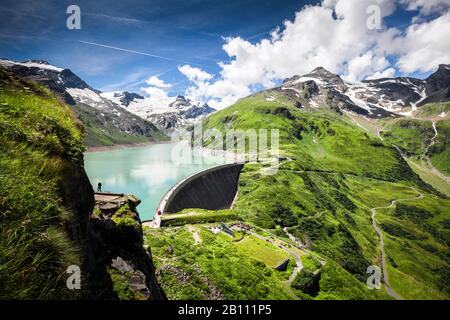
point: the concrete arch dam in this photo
(211, 189)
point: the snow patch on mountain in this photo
(304, 79)
(352, 93)
(31, 64)
(373, 98)
(173, 116)
(103, 114)
(87, 96)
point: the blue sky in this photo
(193, 32)
(188, 31)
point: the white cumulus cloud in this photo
(388, 73)
(196, 75)
(157, 97)
(155, 81)
(157, 92)
(333, 34)
(426, 6)
(424, 46)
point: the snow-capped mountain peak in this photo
(168, 116)
(98, 112)
(40, 64)
(372, 98)
(62, 81)
(181, 103)
(320, 76)
(123, 98)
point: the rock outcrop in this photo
(119, 265)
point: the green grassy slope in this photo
(415, 136)
(426, 154)
(317, 140)
(240, 267)
(433, 110)
(39, 140)
(430, 176)
(411, 135)
(100, 133)
(267, 253)
(332, 282)
(440, 151)
(417, 237)
(337, 175)
(200, 271)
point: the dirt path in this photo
(298, 262)
(297, 258)
(273, 169)
(293, 238)
(389, 289)
(195, 234)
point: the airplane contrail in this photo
(136, 52)
(257, 35)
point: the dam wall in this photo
(211, 189)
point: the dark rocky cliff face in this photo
(127, 97)
(56, 81)
(77, 195)
(438, 85)
(110, 238)
(196, 111)
(119, 267)
(48, 216)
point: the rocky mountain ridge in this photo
(179, 113)
(385, 97)
(106, 122)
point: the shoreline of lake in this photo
(124, 146)
(147, 171)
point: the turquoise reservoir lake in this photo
(146, 171)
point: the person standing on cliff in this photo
(99, 187)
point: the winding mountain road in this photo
(389, 289)
(297, 258)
